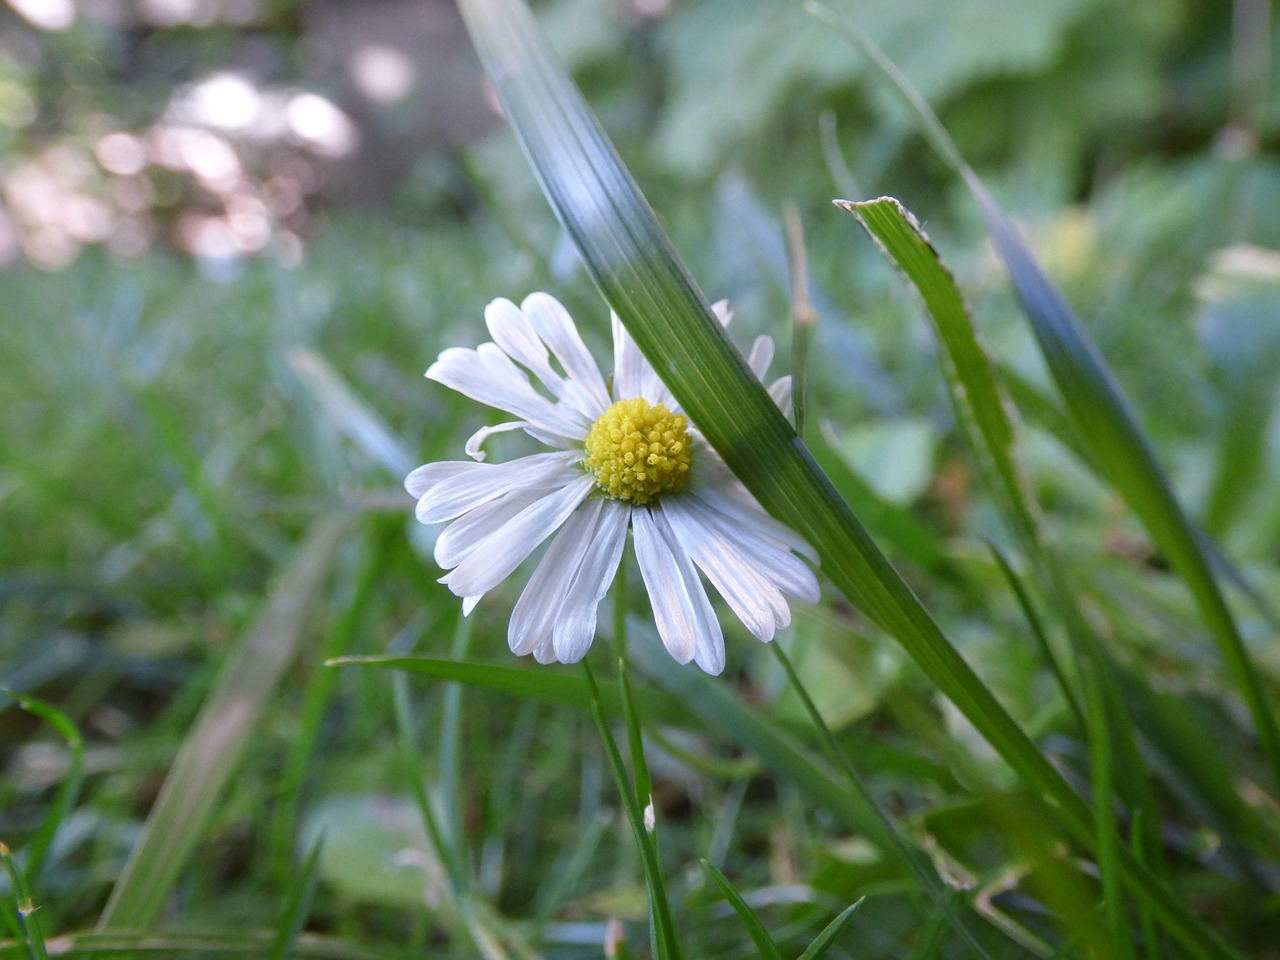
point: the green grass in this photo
(208, 571)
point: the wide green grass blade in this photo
(543, 684)
(970, 375)
(642, 278)
(1107, 420)
(764, 943)
(212, 749)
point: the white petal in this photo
(710, 652)
(739, 507)
(515, 335)
(534, 617)
(681, 609)
(761, 356)
(628, 363)
(544, 652)
(464, 490)
(556, 328)
(488, 376)
(760, 552)
(749, 595)
(460, 538)
(575, 627)
(632, 374)
(493, 560)
(780, 391)
(469, 604)
(429, 474)
(723, 312)
(480, 436)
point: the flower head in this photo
(622, 456)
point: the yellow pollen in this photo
(637, 452)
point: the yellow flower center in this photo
(638, 452)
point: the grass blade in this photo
(544, 684)
(316, 701)
(970, 375)
(298, 905)
(1111, 428)
(764, 943)
(68, 790)
(823, 941)
(665, 945)
(634, 265)
(209, 755)
(1099, 406)
(1101, 771)
(22, 920)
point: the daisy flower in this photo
(621, 456)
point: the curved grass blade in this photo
(68, 790)
(634, 265)
(970, 377)
(984, 411)
(764, 943)
(1097, 403)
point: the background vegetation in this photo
(210, 388)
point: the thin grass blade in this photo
(298, 905)
(970, 375)
(666, 945)
(22, 920)
(1101, 775)
(65, 796)
(824, 941)
(764, 943)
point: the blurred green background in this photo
(232, 236)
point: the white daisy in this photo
(622, 456)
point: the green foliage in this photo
(200, 507)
